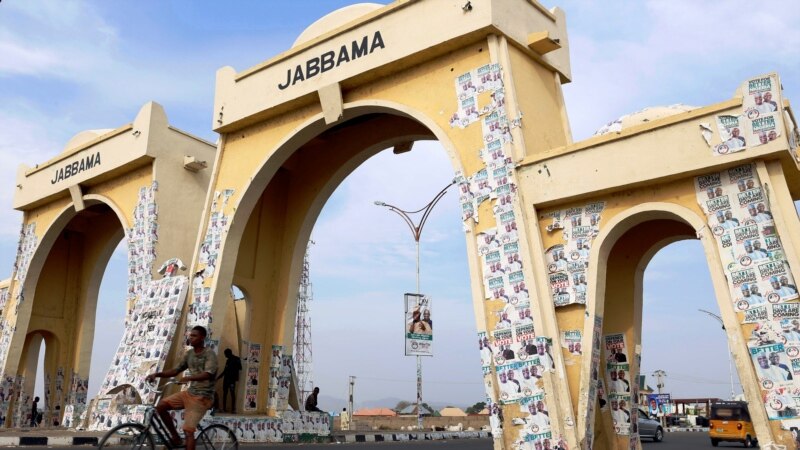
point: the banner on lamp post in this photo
(418, 325)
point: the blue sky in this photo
(67, 66)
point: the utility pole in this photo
(350, 397)
(350, 418)
(660, 375)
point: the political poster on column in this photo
(418, 325)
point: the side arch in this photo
(617, 227)
(61, 287)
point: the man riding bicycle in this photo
(202, 364)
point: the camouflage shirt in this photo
(197, 363)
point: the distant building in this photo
(452, 412)
(411, 411)
(383, 412)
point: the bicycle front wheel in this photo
(128, 435)
(217, 437)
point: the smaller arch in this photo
(629, 218)
(606, 240)
(608, 236)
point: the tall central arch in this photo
(353, 85)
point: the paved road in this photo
(672, 441)
(684, 441)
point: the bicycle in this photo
(137, 436)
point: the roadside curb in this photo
(20, 441)
(64, 441)
(699, 429)
(410, 436)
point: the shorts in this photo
(195, 408)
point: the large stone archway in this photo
(105, 186)
(488, 87)
(557, 232)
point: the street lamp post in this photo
(730, 363)
(660, 374)
(416, 230)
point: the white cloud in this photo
(22, 140)
(56, 39)
(678, 52)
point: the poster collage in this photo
(252, 363)
(142, 239)
(512, 348)
(760, 282)
(149, 331)
(11, 384)
(53, 401)
(760, 122)
(596, 386)
(200, 303)
(567, 263)
(26, 246)
(280, 379)
(620, 392)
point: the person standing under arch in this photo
(230, 376)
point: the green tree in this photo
(434, 412)
(476, 408)
(401, 405)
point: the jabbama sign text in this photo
(333, 59)
(76, 167)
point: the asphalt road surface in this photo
(672, 441)
(685, 440)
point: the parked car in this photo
(650, 428)
(675, 420)
(730, 422)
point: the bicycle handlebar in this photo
(170, 382)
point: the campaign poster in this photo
(571, 340)
(761, 103)
(537, 418)
(621, 412)
(418, 325)
(658, 404)
(732, 135)
(254, 354)
(772, 365)
(782, 403)
(616, 350)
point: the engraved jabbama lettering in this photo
(76, 167)
(319, 64)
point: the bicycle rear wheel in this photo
(217, 437)
(128, 435)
